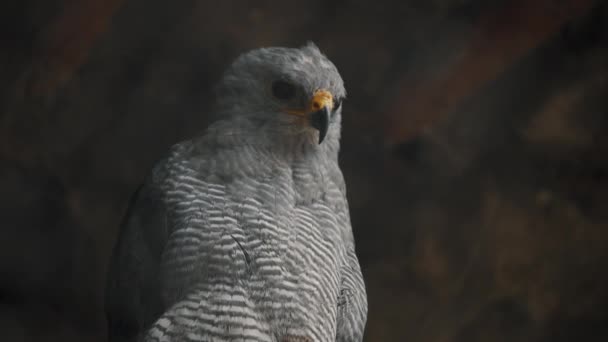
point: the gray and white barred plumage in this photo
(244, 234)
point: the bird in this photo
(243, 232)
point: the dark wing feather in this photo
(133, 300)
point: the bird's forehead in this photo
(306, 66)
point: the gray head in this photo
(293, 91)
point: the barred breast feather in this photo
(233, 241)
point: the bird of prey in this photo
(243, 233)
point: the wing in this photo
(352, 302)
(132, 300)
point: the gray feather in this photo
(244, 233)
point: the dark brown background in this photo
(475, 150)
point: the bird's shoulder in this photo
(181, 159)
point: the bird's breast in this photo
(275, 237)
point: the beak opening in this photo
(320, 121)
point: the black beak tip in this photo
(320, 121)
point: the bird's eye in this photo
(283, 90)
(337, 103)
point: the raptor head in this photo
(295, 91)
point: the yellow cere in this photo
(321, 98)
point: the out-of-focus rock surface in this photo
(475, 150)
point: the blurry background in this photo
(475, 150)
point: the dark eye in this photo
(283, 90)
(337, 103)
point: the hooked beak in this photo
(320, 121)
(318, 112)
